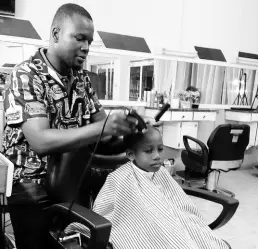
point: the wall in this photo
(121, 78)
(178, 25)
(10, 53)
(230, 25)
(139, 18)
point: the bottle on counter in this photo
(156, 100)
(165, 98)
(145, 96)
(148, 97)
(160, 100)
(152, 97)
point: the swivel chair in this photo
(225, 152)
(61, 180)
(6, 181)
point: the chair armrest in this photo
(204, 156)
(197, 141)
(229, 204)
(100, 227)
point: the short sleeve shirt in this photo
(36, 90)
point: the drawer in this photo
(152, 113)
(206, 116)
(181, 116)
(238, 116)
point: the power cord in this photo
(88, 164)
(141, 126)
(94, 150)
(85, 170)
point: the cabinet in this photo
(202, 116)
(182, 116)
(152, 113)
(173, 133)
(178, 123)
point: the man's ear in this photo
(55, 34)
(130, 155)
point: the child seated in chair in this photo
(147, 207)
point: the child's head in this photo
(146, 150)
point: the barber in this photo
(50, 106)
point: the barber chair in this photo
(63, 183)
(6, 181)
(64, 176)
(225, 152)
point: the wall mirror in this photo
(218, 84)
(121, 77)
(126, 77)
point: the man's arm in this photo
(101, 115)
(44, 140)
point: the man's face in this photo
(74, 39)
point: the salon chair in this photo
(64, 175)
(225, 152)
(63, 183)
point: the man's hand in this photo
(119, 124)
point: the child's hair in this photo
(132, 140)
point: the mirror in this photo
(120, 77)
(126, 77)
(218, 84)
(103, 66)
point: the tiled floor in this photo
(241, 231)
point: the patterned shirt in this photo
(36, 90)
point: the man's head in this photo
(146, 150)
(72, 32)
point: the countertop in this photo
(186, 110)
(243, 111)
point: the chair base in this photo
(182, 176)
(210, 186)
(225, 191)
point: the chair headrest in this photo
(66, 169)
(228, 142)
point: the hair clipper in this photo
(141, 126)
(162, 111)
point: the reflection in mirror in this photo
(141, 78)
(217, 84)
(240, 86)
(120, 77)
(103, 78)
(13, 53)
(124, 77)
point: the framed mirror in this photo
(218, 84)
(125, 77)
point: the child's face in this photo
(149, 152)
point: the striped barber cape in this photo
(151, 211)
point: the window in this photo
(134, 83)
(141, 78)
(105, 88)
